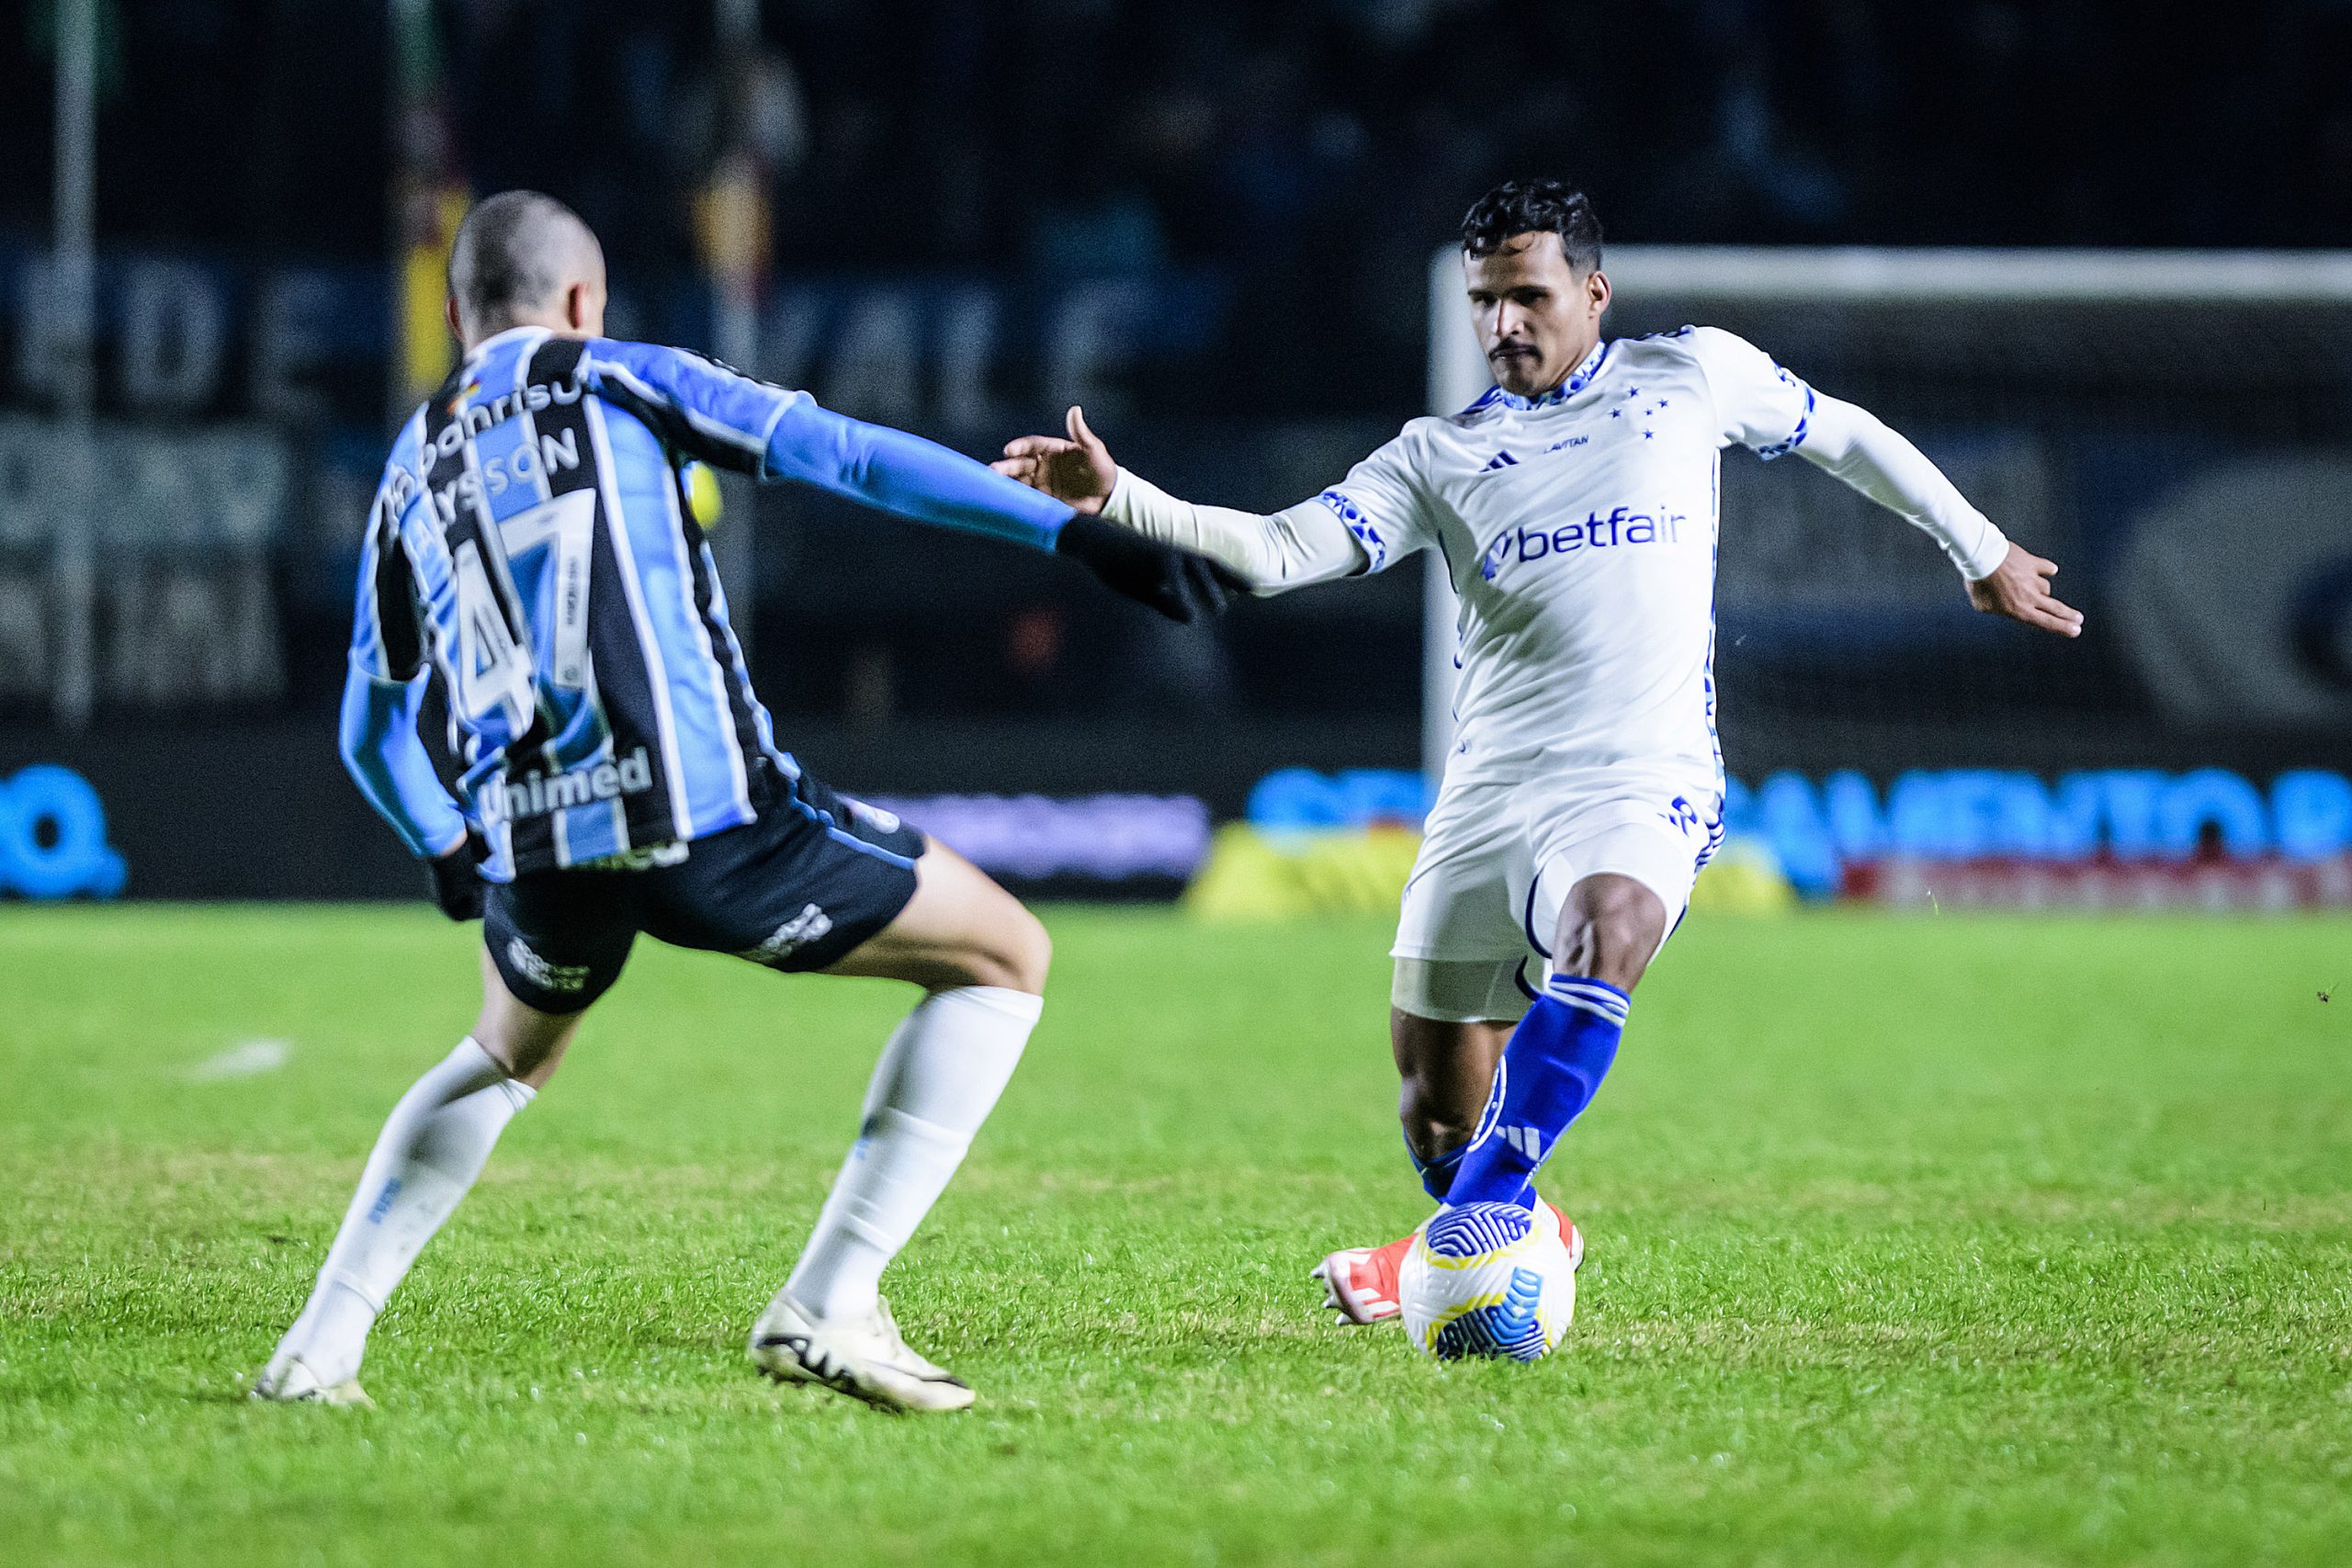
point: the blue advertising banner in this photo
(53, 837)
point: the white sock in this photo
(431, 1148)
(938, 1079)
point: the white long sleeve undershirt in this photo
(1290, 549)
(1855, 444)
(1308, 543)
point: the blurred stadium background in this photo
(2086, 266)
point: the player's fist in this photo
(2019, 589)
(1077, 471)
(456, 879)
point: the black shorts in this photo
(813, 877)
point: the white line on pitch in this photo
(249, 1060)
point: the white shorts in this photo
(1498, 859)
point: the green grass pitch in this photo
(1921, 1240)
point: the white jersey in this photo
(1579, 530)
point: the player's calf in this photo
(982, 958)
(1609, 929)
(1445, 1062)
(431, 1149)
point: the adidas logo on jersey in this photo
(1503, 459)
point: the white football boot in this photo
(864, 1358)
(289, 1379)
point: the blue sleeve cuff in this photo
(388, 762)
(906, 474)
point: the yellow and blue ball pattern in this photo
(1489, 1280)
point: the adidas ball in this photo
(1489, 1280)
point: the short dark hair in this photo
(1534, 206)
(511, 253)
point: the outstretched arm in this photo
(1763, 407)
(907, 475)
(1270, 553)
(736, 421)
(2003, 579)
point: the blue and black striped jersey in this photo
(532, 546)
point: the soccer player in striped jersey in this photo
(531, 547)
(1575, 504)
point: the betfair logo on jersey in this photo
(536, 795)
(1622, 527)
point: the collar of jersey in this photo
(1579, 379)
(486, 344)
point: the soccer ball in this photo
(1489, 1280)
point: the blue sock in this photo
(1552, 1067)
(1436, 1174)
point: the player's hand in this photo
(1176, 583)
(2019, 589)
(456, 881)
(1078, 472)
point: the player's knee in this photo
(1015, 953)
(526, 1049)
(1613, 935)
(1614, 952)
(1029, 952)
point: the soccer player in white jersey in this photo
(1575, 504)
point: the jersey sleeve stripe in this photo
(1796, 436)
(717, 430)
(724, 738)
(656, 664)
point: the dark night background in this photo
(1215, 222)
